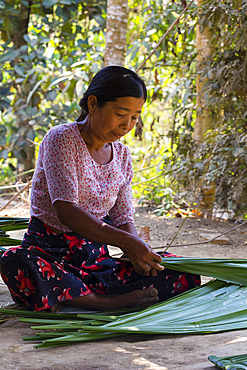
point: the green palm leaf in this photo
(11, 224)
(230, 362)
(214, 307)
(229, 270)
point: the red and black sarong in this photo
(49, 268)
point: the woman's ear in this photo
(91, 103)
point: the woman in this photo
(81, 201)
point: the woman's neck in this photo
(101, 152)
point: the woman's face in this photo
(115, 119)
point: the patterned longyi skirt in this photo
(49, 268)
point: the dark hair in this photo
(111, 83)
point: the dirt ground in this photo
(135, 352)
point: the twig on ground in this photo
(124, 259)
(16, 195)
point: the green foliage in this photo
(169, 201)
(49, 50)
(47, 68)
(178, 162)
(221, 158)
(170, 78)
(51, 64)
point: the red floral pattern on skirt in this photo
(49, 268)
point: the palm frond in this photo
(11, 224)
(230, 362)
(214, 307)
(228, 270)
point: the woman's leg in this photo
(94, 301)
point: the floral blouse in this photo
(66, 171)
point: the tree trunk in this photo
(26, 161)
(116, 32)
(205, 118)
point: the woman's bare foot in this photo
(137, 298)
(55, 308)
(140, 298)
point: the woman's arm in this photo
(129, 227)
(141, 255)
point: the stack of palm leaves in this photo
(11, 224)
(230, 362)
(214, 307)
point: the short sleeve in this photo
(59, 165)
(123, 211)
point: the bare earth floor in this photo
(136, 352)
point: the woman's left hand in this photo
(143, 258)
